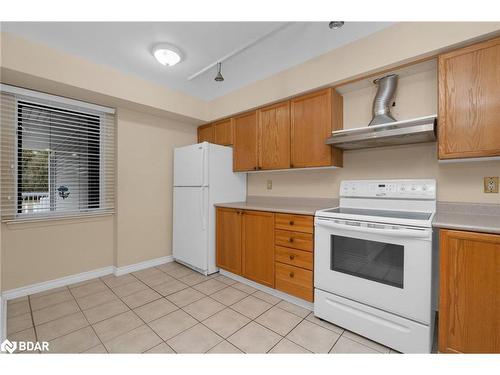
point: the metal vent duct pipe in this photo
(384, 99)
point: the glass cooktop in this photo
(409, 215)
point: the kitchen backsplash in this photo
(456, 182)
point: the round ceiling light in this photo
(166, 54)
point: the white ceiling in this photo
(126, 46)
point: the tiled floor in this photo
(172, 309)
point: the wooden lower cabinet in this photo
(248, 244)
(294, 280)
(294, 257)
(228, 240)
(469, 299)
(258, 247)
(296, 240)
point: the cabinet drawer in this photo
(295, 281)
(297, 223)
(296, 240)
(294, 257)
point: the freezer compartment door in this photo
(190, 226)
(191, 165)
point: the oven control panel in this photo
(413, 189)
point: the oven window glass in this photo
(377, 261)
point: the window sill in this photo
(54, 219)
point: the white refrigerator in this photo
(203, 176)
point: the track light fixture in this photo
(219, 77)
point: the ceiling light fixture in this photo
(335, 25)
(219, 77)
(166, 54)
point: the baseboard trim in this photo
(84, 276)
(3, 319)
(118, 271)
(284, 296)
(56, 283)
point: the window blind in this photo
(56, 158)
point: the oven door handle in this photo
(416, 233)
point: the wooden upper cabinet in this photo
(469, 101)
(224, 132)
(258, 247)
(228, 239)
(469, 296)
(206, 133)
(274, 136)
(313, 117)
(245, 149)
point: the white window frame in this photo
(36, 97)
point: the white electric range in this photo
(373, 262)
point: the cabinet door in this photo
(258, 247)
(224, 132)
(245, 142)
(206, 133)
(469, 101)
(228, 240)
(313, 117)
(469, 301)
(274, 136)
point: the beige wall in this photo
(63, 74)
(145, 166)
(416, 96)
(389, 47)
(140, 230)
(36, 252)
(461, 182)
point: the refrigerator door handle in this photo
(205, 167)
(202, 209)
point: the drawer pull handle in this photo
(290, 240)
(292, 257)
(291, 222)
(292, 274)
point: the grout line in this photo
(32, 319)
(360, 343)
(59, 317)
(179, 279)
(147, 324)
(335, 343)
(90, 325)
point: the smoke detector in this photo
(335, 25)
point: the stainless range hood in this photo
(416, 130)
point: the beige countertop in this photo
(292, 205)
(468, 216)
(460, 216)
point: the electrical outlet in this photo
(269, 184)
(491, 184)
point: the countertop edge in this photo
(286, 210)
(466, 227)
(473, 222)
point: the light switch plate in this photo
(269, 184)
(491, 184)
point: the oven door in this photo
(383, 266)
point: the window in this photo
(60, 156)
